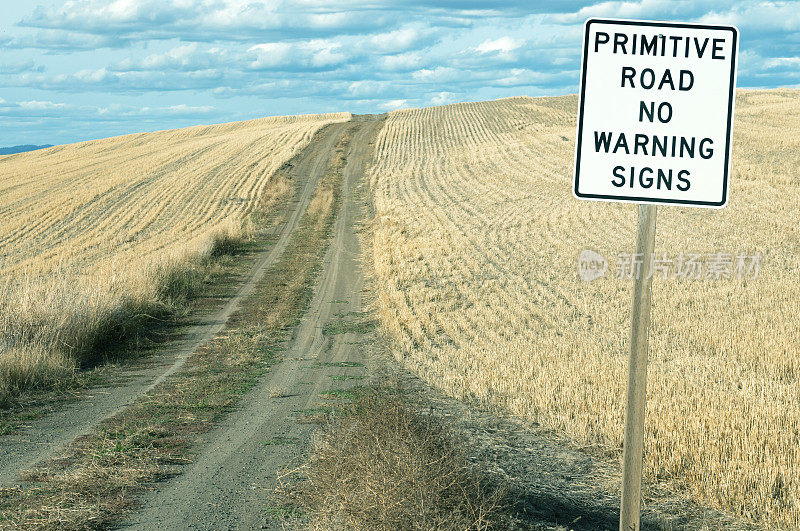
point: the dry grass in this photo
(100, 476)
(278, 392)
(98, 237)
(474, 259)
(381, 465)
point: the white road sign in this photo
(656, 113)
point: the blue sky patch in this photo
(84, 69)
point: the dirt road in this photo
(45, 437)
(227, 486)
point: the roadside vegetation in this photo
(101, 239)
(97, 481)
(45, 350)
(380, 463)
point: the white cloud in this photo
(36, 109)
(126, 111)
(206, 20)
(503, 45)
(20, 68)
(753, 14)
(644, 9)
(101, 75)
(761, 16)
(782, 62)
(181, 109)
(396, 41)
(91, 14)
(123, 9)
(365, 89)
(41, 105)
(271, 54)
(63, 41)
(443, 98)
(517, 77)
(328, 20)
(402, 62)
(185, 57)
(317, 53)
(393, 105)
(436, 75)
(325, 53)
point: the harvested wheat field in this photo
(474, 256)
(94, 234)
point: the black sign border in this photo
(678, 202)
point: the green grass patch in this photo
(313, 411)
(338, 364)
(355, 322)
(348, 394)
(280, 441)
(344, 378)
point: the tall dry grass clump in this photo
(382, 465)
(474, 251)
(99, 237)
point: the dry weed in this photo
(382, 465)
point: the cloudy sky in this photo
(83, 69)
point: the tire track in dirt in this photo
(45, 437)
(228, 485)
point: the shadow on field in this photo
(551, 511)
